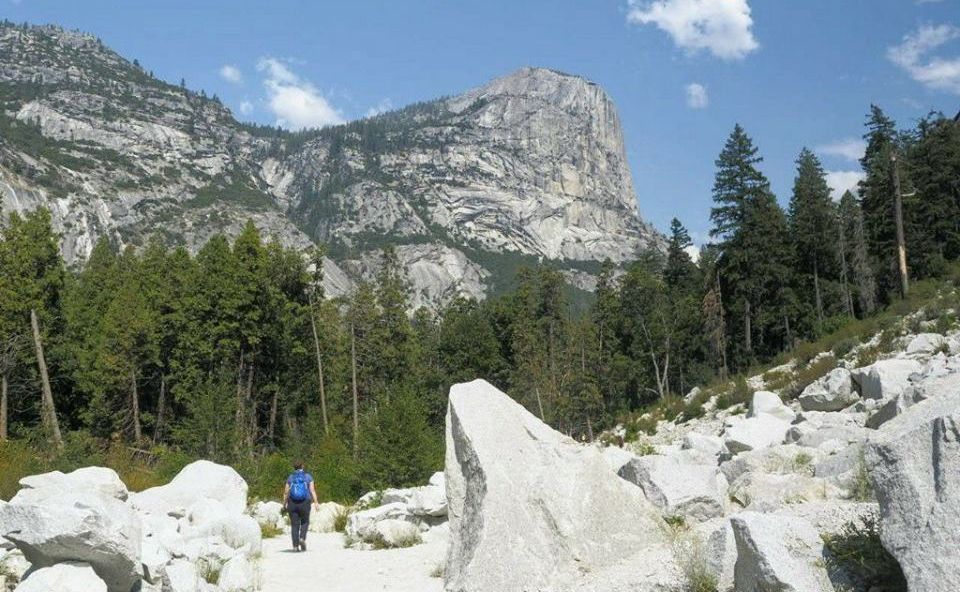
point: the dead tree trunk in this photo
(272, 426)
(748, 338)
(3, 407)
(842, 242)
(49, 411)
(135, 406)
(316, 346)
(898, 220)
(161, 402)
(251, 435)
(816, 290)
(353, 384)
(238, 411)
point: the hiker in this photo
(297, 495)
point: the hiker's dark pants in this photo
(299, 520)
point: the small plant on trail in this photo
(438, 571)
(802, 463)
(340, 520)
(675, 522)
(645, 449)
(378, 542)
(861, 488)
(858, 548)
(269, 531)
(693, 564)
(210, 572)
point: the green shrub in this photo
(645, 449)
(858, 548)
(676, 521)
(739, 395)
(269, 531)
(378, 542)
(861, 487)
(398, 448)
(340, 520)
(802, 462)
(808, 374)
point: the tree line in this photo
(236, 351)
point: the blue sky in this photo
(682, 72)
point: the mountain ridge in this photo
(530, 164)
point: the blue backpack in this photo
(298, 487)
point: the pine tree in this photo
(680, 272)
(933, 167)
(877, 198)
(811, 216)
(392, 366)
(35, 272)
(856, 253)
(755, 255)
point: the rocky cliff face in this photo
(530, 166)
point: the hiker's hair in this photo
(298, 465)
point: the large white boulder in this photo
(77, 526)
(769, 403)
(429, 500)
(886, 378)
(778, 553)
(616, 457)
(181, 575)
(269, 514)
(397, 533)
(757, 432)
(241, 533)
(926, 343)
(154, 557)
(362, 525)
(97, 480)
(705, 447)
(69, 576)
(695, 492)
(767, 492)
(832, 392)
(198, 480)
(530, 509)
(237, 575)
(324, 517)
(781, 459)
(914, 462)
(717, 550)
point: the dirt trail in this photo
(328, 566)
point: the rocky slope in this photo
(530, 166)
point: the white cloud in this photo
(694, 252)
(849, 148)
(842, 181)
(697, 97)
(295, 102)
(934, 72)
(722, 27)
(381, 107)
(231, 74)
(246, 107)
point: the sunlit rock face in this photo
(530, 166)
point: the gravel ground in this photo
(328, 566)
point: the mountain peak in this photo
(528, 167)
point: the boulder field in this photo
(84, 531)
(750, 498)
